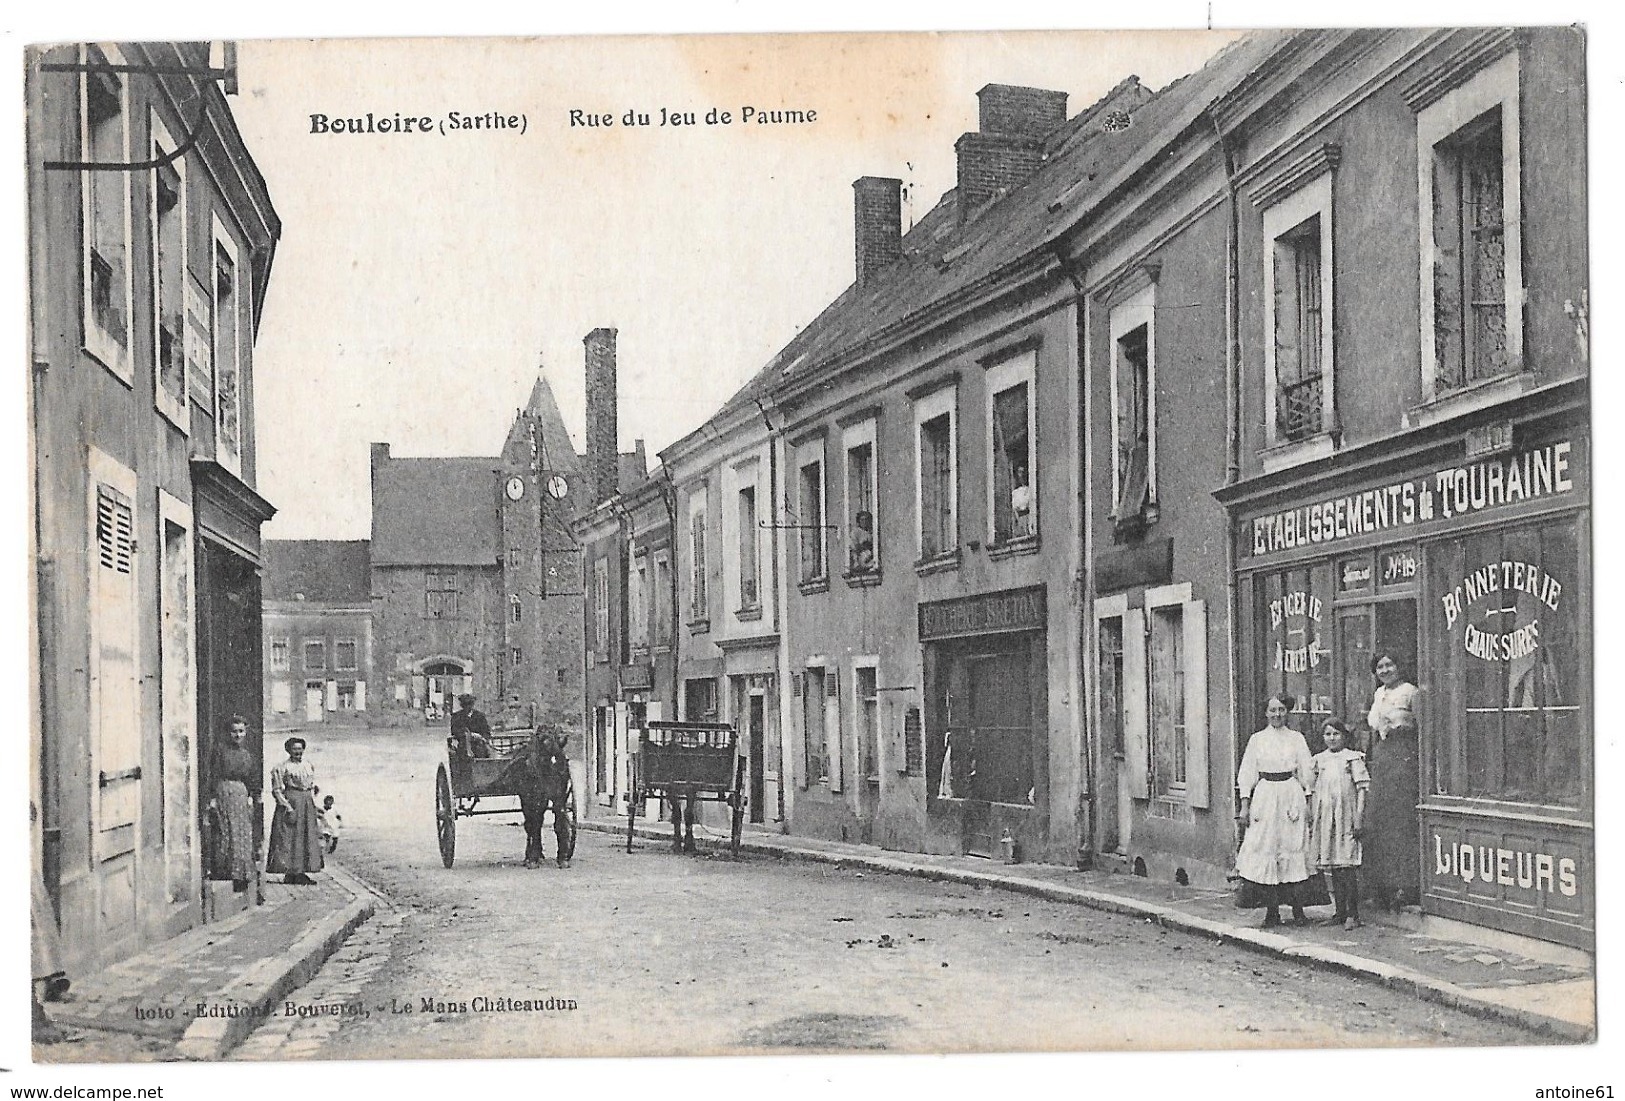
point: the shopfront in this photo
(987, 732)
(1469, 565)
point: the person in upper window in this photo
(863, 542)
(1021, 502)
(470, 729)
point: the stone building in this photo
(318, 631)
(474, 578)
(149, 258)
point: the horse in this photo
(542, 776)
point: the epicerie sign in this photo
(1496, 580)
(1443, 495)
(1530, 871)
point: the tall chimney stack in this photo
(603, 448)
(877, 223)
(1009, 144)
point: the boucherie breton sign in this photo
(988, 613)
(1455, 491)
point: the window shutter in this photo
(834, 757)
(1196, 781)
(1136, 748)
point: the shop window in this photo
(344, 654)
(749, 573)
(814, 686)
(1166, 672)
(279, 654)
(104, 139)
(169, 277)
(1470, 203)
(698, 606)
(1162, 696)
(315, 654)
(1134, 443)
(439, 595)
(810, 519)
(700, 700)
(868, 721)
(937, 485)
(862, 547)
(1511, 666)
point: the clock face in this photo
(515, 488)
(557, 487)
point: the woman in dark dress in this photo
(235, 772)
(296, 832)
(1393, 857)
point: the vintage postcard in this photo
(787, 544)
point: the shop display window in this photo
(1509, 666)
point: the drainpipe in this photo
(781, 602)
(1083, 579)
(1232, 415)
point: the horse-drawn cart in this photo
(685, 763)
(465, 785)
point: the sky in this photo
(421, 281)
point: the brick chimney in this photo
(877, 224)
(602, 426)
(1008, 147)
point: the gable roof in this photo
(436, 512)
(944, 259)
(324, 571)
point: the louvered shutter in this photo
(118, 727)
(834, 757)
(1136, 745)
(1196, 781)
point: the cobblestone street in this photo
(651, 953)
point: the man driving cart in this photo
(469, 728)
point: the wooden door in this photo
(116, 734)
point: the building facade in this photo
(318, 631)
(151, 238)
(1415, 460)
(473, 578)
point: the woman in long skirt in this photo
(234, 772)
(1274, 780)
(1393, 862)
(296, 836)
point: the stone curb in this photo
(265, 983)
(1424, 987)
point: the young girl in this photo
(1338, 819)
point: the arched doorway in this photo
(443, 682)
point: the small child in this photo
(1338, 819)
(330, 824)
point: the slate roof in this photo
(1088, 159)
(326, 571)
(942, 257)
(436, 512)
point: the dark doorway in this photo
(228, 664)
(988, 710)
(757, 719)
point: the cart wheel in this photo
(445, 817)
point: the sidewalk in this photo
(145, 1008)
(1553, 999)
